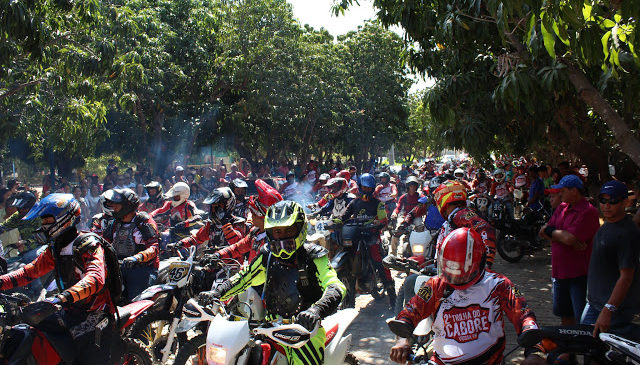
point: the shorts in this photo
(569, 297)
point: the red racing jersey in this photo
(386, 193)
(217, 235)
(251, 243)
(84, 287)
(406, 203)
(185, 212)
(468, 324)
(465, 217)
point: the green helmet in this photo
(285, 214)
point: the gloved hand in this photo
(208, 297)
(174, 246)
(129, 262)
(180, 225)
(309, 318)
(211, 260)
(54, 300)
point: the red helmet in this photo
(461, 258)
(267, 196)
(344, 174)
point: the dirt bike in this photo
(247, 338)
(156, 329)
(22, 342)
(353, 261)
(516, 238)
(605, 349)
(422, 337)
(480, 202)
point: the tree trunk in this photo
(629, 144)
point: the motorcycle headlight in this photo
(417, 249)
(216, 355)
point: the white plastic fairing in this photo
(251, 298)
(424, 327)
(225, 339)
(337, 348)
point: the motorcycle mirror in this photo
(400, 328)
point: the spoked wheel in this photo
(152, 330)
(377, 291)
(349, 299)
(135, 353)
(510, 248)
(193, 352)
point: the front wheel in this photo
(510, 248)
(135, 353)
(152, 329)
(193, 352)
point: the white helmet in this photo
(458, 171)
(179, 189)
(498, 172)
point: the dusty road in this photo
(372, 340)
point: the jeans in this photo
(137, 279)
(620, 322)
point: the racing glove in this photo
(180, 225)
(129, 262)
(211, 260)
(309, 318)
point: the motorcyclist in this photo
(155, 201)
(367, 207)
(290, 188)
(353, 185)
(502, 190)
(182, 212)
(405, 204)
(460, 177)
(22, 202)
(239, 188)
(481, 184)
(100, 221)
(451, 200)
(337, 199)
(256, 238)
(222, 228)
(386, 192)
(134, 236)
(79, 261)
(469, 304)
(320, 189)
(298, 279)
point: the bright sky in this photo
(317, 13)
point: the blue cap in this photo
(615, 189)
(569, 181)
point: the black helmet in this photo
(24, 200)
(154, 185)
(222, 201)
(383, 175)
(238, 183)
(127, 197)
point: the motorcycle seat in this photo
(63, 345)
(123, 317)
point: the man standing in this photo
(571, 230)
(614, 281)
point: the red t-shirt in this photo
(582, 220)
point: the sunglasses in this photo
(610, 201)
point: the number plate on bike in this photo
(178, 271)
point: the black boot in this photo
(391, 293)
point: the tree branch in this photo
(18, 88)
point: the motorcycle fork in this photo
(171, 336)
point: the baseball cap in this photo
(615, 189)
(551, 191)
(569, 181)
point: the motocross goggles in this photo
(283, 248)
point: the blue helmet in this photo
(367, 180)
(63, 208)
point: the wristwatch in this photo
(611, 307)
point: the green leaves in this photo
(548, 34)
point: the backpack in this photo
(114, 281)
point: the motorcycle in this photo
(516, 238)
(22, 342)
(353, 261)
(247, 338)
(417, 274)
(156, 329)
(518, 203)
(605, 349)
(318, 232)
(422, 337)
(480, 202)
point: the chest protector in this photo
(292, 285)
(123, 239)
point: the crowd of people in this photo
(594, 267)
